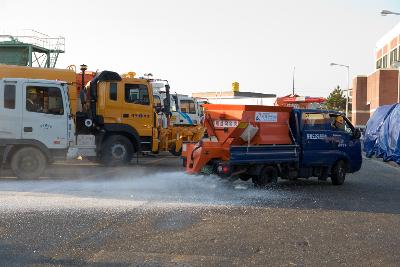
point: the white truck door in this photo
(45, 115)
(10, 110)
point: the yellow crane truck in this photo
(116, 114)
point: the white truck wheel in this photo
(28, 163)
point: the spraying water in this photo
(126, 187)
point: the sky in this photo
(206, 45)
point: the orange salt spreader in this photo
(230, 126)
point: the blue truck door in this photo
(316, 138)
(344, 144)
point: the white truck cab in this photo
(36, 124)
(185, 110)
(189, 111)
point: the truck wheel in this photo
(116, 150)
(28, 163)
(268, 174)
(173, 151)
(338, 173)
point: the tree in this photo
(336, 100)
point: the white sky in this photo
(205, 45)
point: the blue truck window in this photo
(338, 123)
(316, 121)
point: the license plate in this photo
(225, 123)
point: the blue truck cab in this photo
(325, 144)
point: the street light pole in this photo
(348, 84)
(294, 69)
(348, 91)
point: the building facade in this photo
(387, 50)
(382, 86)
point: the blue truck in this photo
(324, 144)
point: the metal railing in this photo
(28, 36)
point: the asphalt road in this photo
(153, 214)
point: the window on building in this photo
(113, 91)
(384, 65)
(398, 51)
(188, 106)
(42, 99)
(379, 63)
(393, 56)
(137, 94)
(9, 96)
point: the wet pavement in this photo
(153, 214)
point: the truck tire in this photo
(116, 150)
(268, 175)
(28, 163)
(338, 173)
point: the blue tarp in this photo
(382, 135)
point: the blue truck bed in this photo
(263, 154)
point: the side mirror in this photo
(356, 134)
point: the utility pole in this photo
(348, 84)
(294, 69)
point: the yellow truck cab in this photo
(120, 113)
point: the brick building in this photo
(382, 86)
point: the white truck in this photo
(36, 126)
(185, 110)
(189, 110)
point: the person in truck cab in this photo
(32, 102)
(338, 123)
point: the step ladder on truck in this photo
(263, 143)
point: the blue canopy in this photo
(382, 135)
